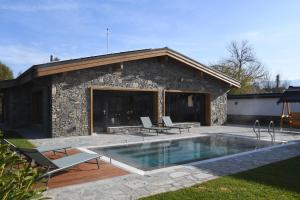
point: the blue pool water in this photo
(149, 156)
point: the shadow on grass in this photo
(282, 175)
(279, 180)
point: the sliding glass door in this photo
(121, 108)
(185, 107)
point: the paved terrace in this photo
(108, 139)
(133, 186)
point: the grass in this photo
(16, 139)
(280, 180)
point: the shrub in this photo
(17, 177)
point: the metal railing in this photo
(271, 131)
(256, 129)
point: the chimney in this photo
(277, 81)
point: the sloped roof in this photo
(292, 94)
(101, 60)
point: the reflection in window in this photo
(121, 108)
(1, 108)
(185, 107)
(37, 107)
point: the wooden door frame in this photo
(207, 102)
(106, 88)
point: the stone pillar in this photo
(160, 104)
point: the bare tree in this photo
(242, 64)
(269, 85)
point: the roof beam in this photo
(98, 62)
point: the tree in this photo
(268, 85)
(5, 72)
(242, 65)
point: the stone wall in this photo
(71, 94)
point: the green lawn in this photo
(280, 180)
(17, 139)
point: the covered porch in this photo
(120, 109)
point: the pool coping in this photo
(177, 138)
(135, 170)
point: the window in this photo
(121, 108)
(185, 107)
(1, 109)
(37, 107)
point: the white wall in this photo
(259, 106)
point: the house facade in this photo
(88, 95)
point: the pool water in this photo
(149, 156)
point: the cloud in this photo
(251, 35)
(46, 6)
(19, 57)
(19, 54)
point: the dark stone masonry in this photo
(71, 90)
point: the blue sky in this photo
(31, 30)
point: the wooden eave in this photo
(203, 68)
(98, 62)
(8, 83)
(78, 64)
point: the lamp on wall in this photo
(181, 79)
(117, 67)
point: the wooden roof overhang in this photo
(96, 61)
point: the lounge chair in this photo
(11, 145)
(42, 149)
(61, 164)
(168, 123)
(54, 148)
(147, 124)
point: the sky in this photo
(31, 30)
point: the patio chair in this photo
(58, 165)
(42, 149)
(168, 123)
(147, 125)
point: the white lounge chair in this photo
(168, 123)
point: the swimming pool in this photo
(154, 155)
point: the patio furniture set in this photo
(167, 125)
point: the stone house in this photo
(87, 95)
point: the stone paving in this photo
(107, 139)
(133, 186)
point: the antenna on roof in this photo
(107, 40)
